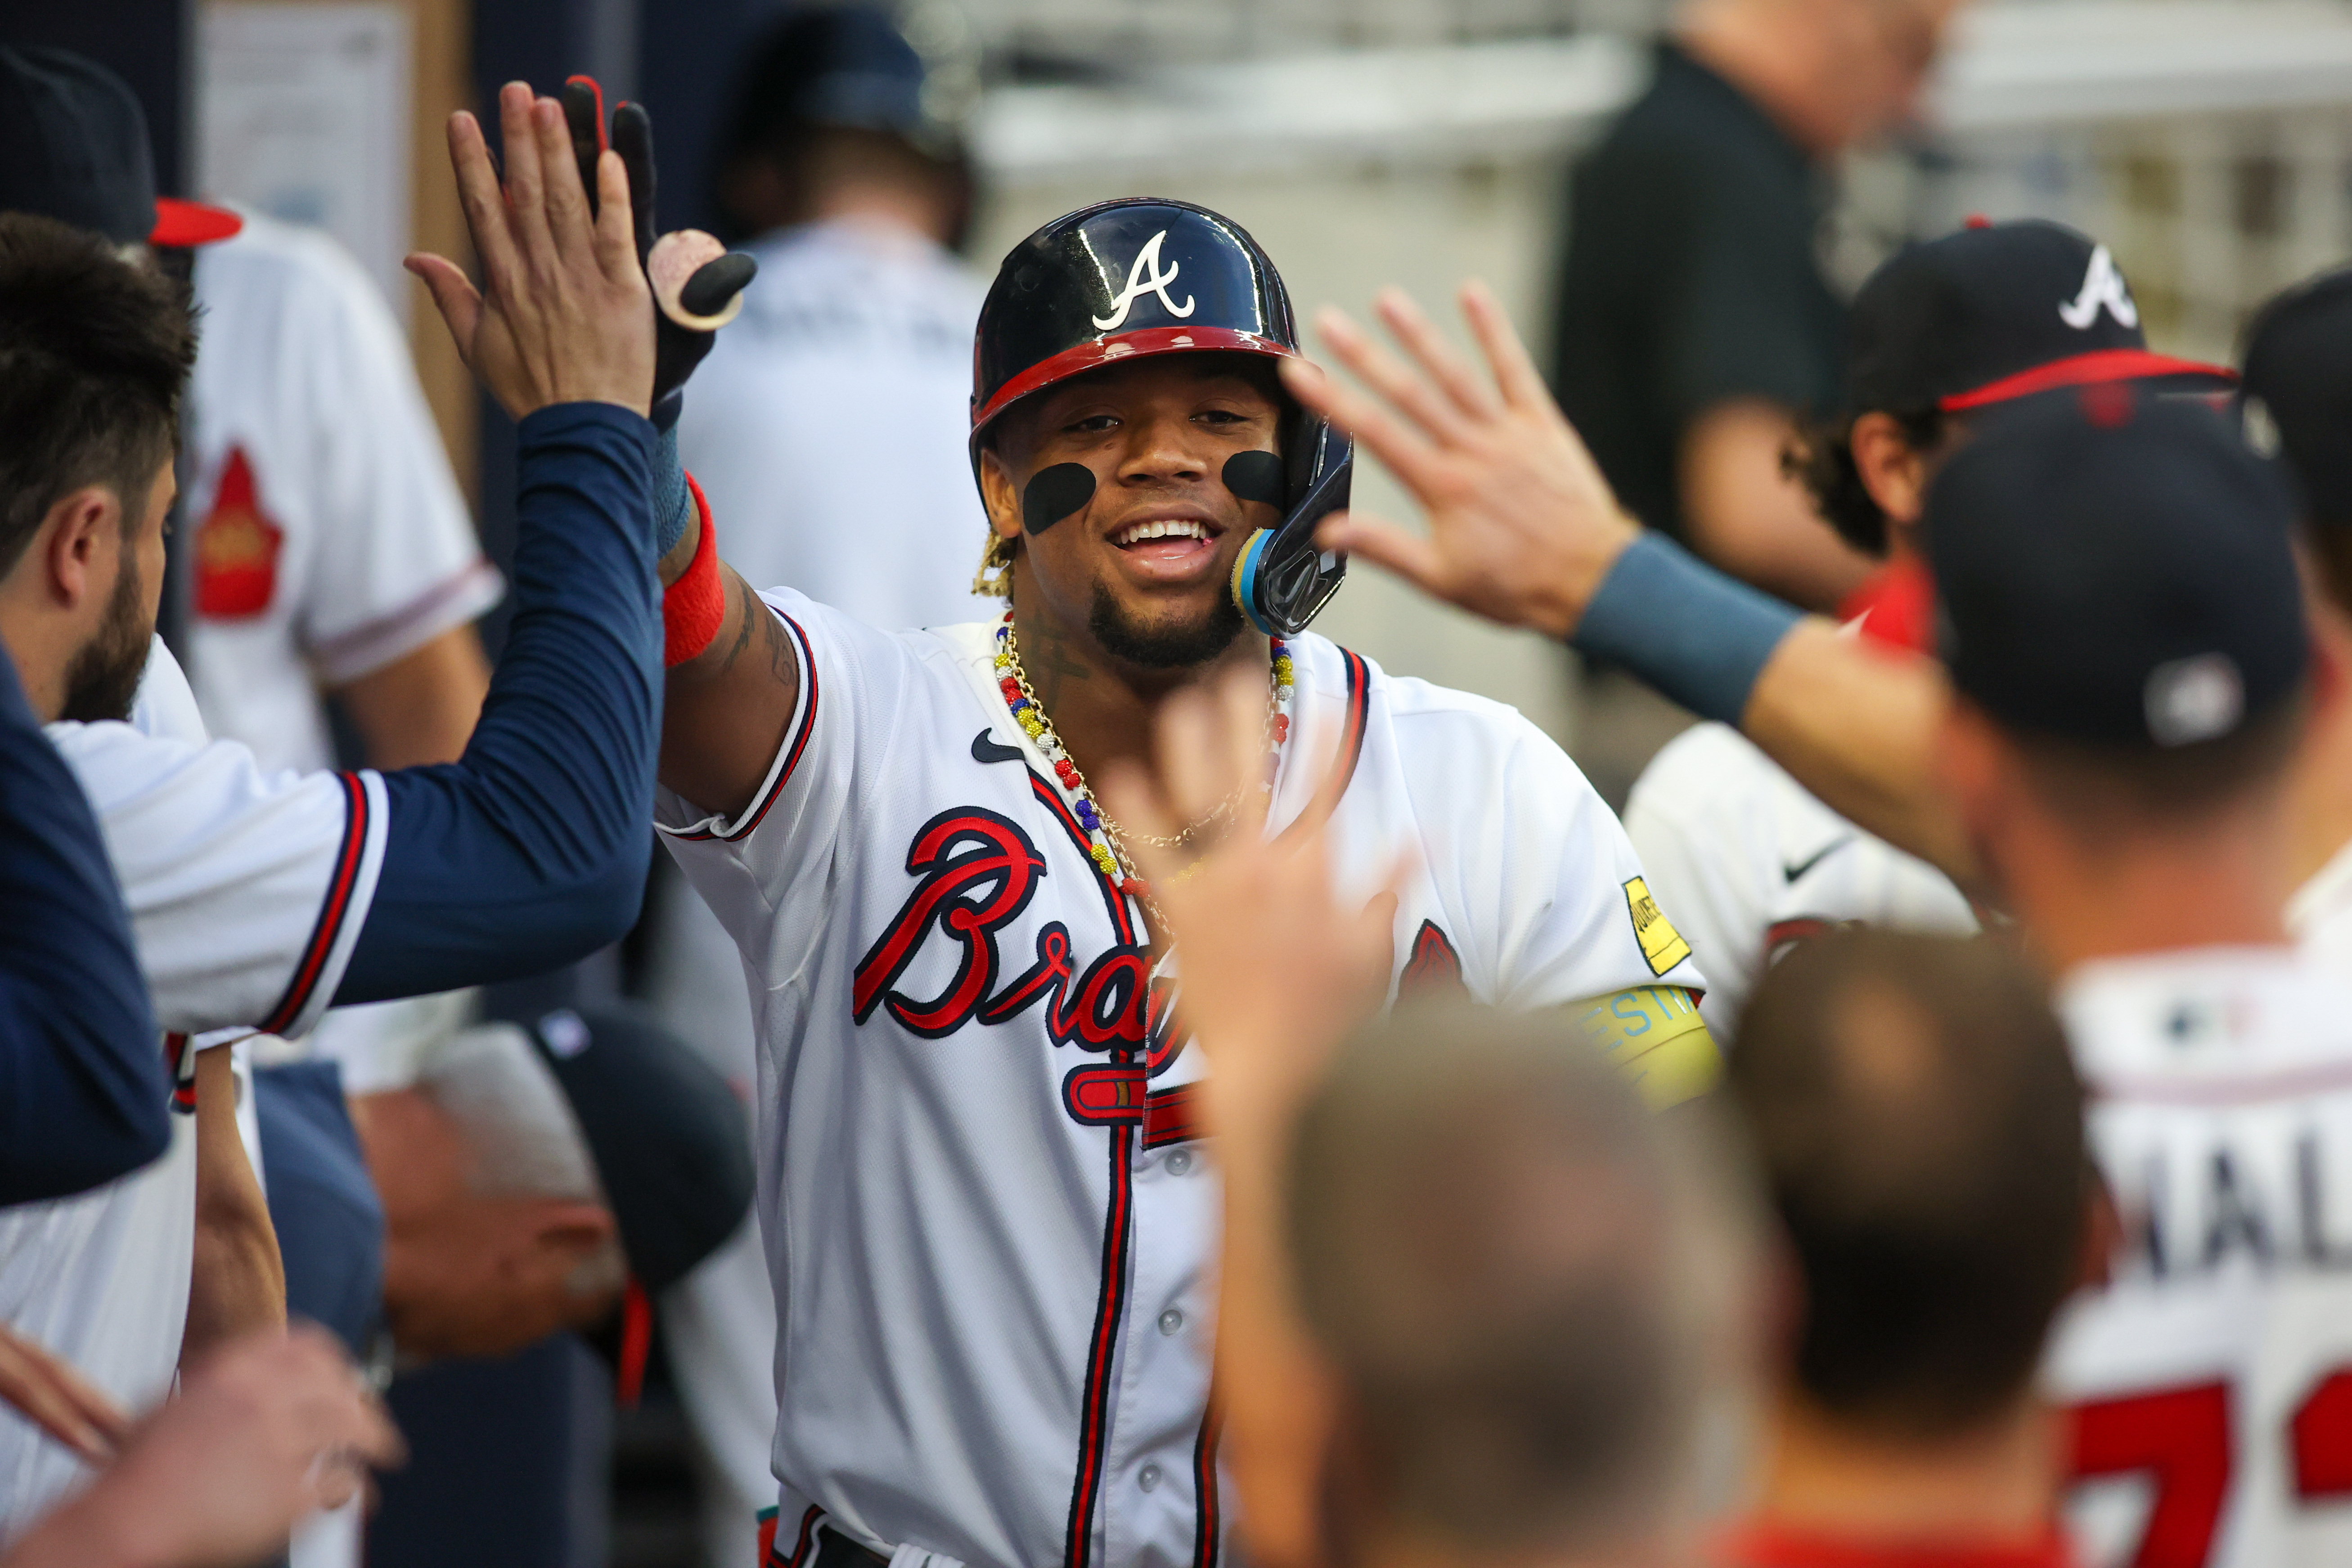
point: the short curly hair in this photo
(1820, 456)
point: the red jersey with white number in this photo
(989, 1220)
(2212, 1376)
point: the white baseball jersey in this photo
(988, 1225)
(2212, 1377)
(246, 892)
(1750, 862)
(330, 538)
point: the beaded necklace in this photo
(1104, 845)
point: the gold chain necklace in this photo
(1107, 845)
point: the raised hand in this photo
(1522, 527)
(54, 1397)
(1274, 968)
(564, 312)
(698, 283)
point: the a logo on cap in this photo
(1145, 278)
(2103, 289)
(2193, 699)
(2261, 430)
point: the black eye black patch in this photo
(1053, 494)
(1255, 476)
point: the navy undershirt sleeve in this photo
(83, 1095)
(531, 850)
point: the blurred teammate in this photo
(2130, 697)
(2297, 401)
(1920, 1125)
(828, 430)
(1535, 1297)
(1695, 325)
(1745, 856)
(526, 1183)
(982, 1209)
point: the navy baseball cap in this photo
(854, 67)
(666, 1134)
(2115, 569)
(2296, 403)
(1999, 312)
(73, 146)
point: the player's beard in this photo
(103, 681)
(1165, 645)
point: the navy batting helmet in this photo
(1126, 278)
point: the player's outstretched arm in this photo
(531, 850)
(1524, 530)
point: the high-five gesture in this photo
(697, 282)
(564, 314)
(1522, 527)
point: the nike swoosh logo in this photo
(1794, 873)
(984, 750)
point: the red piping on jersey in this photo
(331, 912)
(1351, 732)
(1094, 1418)
(1108, 349)
(801, 1546)
(1119, 1225)
(798, 743)
(1204, 1482)
(2086, 370)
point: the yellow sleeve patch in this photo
(1662, 944)
(1656, 1038)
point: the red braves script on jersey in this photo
(988, 1223)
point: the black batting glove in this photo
(698, 283)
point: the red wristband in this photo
(693, 606)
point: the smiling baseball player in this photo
(990, 1226)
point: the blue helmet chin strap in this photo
(1281, 580)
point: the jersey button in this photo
(1148, 1476)
(1179, 1161)
(1170, 1321)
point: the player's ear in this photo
(79, 547)
(1893, 471)
(999, 494)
